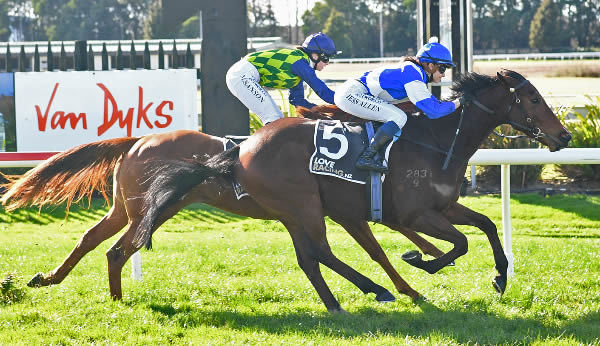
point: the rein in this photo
(447, 161)
(535, 131)
(491, 112)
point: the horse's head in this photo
(528, 112)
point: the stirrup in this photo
(371, 165)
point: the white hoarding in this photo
(56, 111)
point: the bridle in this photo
(536, 132)
(530, 127)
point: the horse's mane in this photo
(472, 82)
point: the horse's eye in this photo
(536, 100)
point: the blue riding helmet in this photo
(436, 53)
(319, 43)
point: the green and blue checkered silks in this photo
(275, 67)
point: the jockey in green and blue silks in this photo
(282, 69)
(372, 96)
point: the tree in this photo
(90, 19)
(582, 22)
(400, 26)
(502, 23)
(351, 24)
(270, 22)
(338, 28)
(261, 18)
(4, 21)
(546, 27)
(315, 19)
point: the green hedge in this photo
(586, 134)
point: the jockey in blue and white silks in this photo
(373, 96)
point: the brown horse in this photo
(272, 166)
(76, 173)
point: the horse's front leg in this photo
(434, 224)
(460, 215)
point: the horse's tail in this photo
(172, 180)
(68, 176)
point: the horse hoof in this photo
(36, 280)
(420, 299)
(385, 297)
(339, 311)
(412, 257)
(499, 284)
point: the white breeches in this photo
(352, 97)
(242, 80)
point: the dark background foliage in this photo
(546, 25)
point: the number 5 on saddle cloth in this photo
(337, 147)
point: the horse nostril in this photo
(566, 136)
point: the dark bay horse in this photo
(272, 165)
(78, 172)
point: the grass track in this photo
(215, 278)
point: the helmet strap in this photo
(318, 60)
(315, 62)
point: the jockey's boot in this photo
(367, 160)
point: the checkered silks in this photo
(275, 67)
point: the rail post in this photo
(506, 224)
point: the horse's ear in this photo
(501, 78)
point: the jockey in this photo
(282, 69)
(372, 97)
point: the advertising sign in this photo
(56, 111)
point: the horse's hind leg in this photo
(312, 247)
(362, 233)
(120, 252)
(117, 256)
(461, 215)
(110, 224)
(420, 242)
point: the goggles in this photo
(324, 58)
(442, 68)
